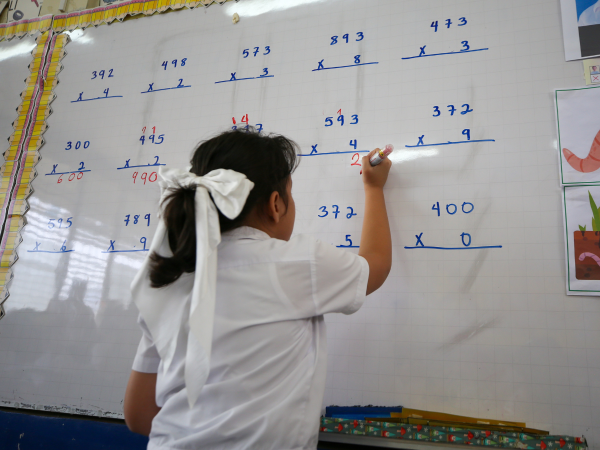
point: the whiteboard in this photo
(485, 331)
(15, 56)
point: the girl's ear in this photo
(274, 207)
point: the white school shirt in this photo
(591, 16)
(268, 364)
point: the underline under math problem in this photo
(179, 86)
(466, 49)
(234, 78)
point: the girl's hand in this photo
(375, 176)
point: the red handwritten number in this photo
(143, 130)
(153, 130)
(71, 177)
(355, 163)
(80, 175)
(340, 111)
(144, 177)
(233, 118)
(60, 179)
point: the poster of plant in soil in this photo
(578, 119)
(582, 217)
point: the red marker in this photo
(380, 155)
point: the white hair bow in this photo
(229, 191)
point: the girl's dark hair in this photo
(266, 160)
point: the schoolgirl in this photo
(233, 352)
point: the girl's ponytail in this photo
(179, 216)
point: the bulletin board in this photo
(473, 319)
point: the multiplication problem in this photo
(346, 37)
(182, 62)
(152, 137)
(258, 127)
(58, 223)
(136, 219)
(77, 145)
(340, 119)
(101, 73)
(451, 208)
(461, 23)
(256, 51)
(335, 210)
(466, 109)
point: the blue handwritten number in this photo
(354, 119)
(448, 23)
(95, 75)
(467, 109)
(256, 50)
(353, 144)
(126, 220)
(324, 210)
(452, 109)
(333, 40)
(434, 25)
(266, 72)
(110, 75)
(436, 111)
(467, 133)
(470, 210)
(268, 49)
(357, 59)
(245, 53)
(328, 121)
(147, 217)
(336, 211)
(448, 209)
(463, 236)
(68, 146)
(465, 46)
(360, 35)
(340, 119)
(349, 240)
(462, 21)
(351, 213)
(143, 241)
(345, 37)
(436, 207)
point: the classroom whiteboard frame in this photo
(489, 332)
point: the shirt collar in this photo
(244, 233)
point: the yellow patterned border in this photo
(22, 155)
(95, 16)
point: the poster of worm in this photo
(582, 229)
(578, 119)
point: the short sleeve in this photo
(147, 358)
(339, 279)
